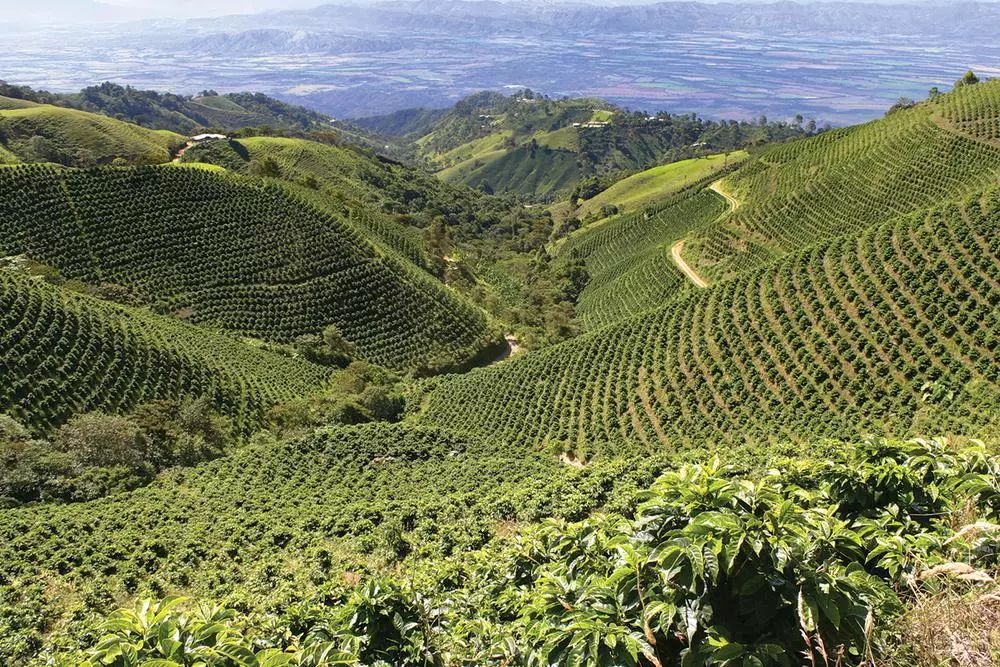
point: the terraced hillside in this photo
(840, 338)
(44, 133)
(629, 259)
(236, 254)
(842, 181)
(63, 353)
(972, 110)
(393, 202)
(333, 178)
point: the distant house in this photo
(208, 137)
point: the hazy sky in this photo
(49, 11)
(210, 7)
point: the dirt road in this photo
(675, 252)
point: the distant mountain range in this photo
(524, 18)
(837, 62)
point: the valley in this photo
(530, 380)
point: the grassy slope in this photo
(830, 341)
(539, 172)
(93, 137)
(62, 353)
(646, 187)
(237, 254)
(840, 182)
(477, 150)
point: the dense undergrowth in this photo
(808, 561)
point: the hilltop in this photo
(182, 114)
(542, 148)
(32, 132)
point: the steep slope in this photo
(63, 353)
(44, 133)
(236, 254)
(652, 185)
(393, 203)
(628, 257)
(839, 339)
(842, 181)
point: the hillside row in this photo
(63, 354)
(796, 194)
(273, 522)
(628, 258)
(841, 338)
(236, 254)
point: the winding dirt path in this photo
(675, 252)
(511, 347)
(717, 188)
(678, 248)
(184, 149)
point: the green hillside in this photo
(239, 255)
(183, 114)
(43, 133)
(628, 258)
(63, 353)
(838, 339)
(533, 170)
(652, 185)
(658, 402)
(796, 194)
(534, 146)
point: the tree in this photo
(27, 466)
(968, 79)
(339, 347)
(96, 440)
(901, 103)
(933, 93)
(268, 167)
(329, 349)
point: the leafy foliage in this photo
(261, 528)
(94, 454)
(713, 568)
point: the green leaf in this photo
(728, 652)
